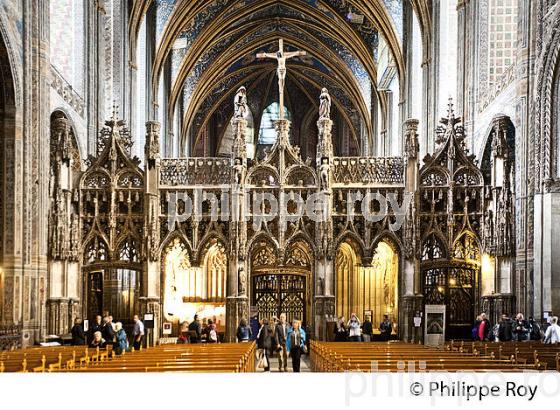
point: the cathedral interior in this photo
(119, 117)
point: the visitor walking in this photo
(295, 345)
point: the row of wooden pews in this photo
(226, 357)
(48, 359)
(541, 356)
(404, 357)
(203, 357)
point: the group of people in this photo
(196, 331)
(276, 336)
(355, 331)
(518, 329)
(104, 331)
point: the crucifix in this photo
(281, 56)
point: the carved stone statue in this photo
(242, 281)
(240, 103)
(324, 172)
(325, 104)
(281, 56)
(321, 286)
(239, 171)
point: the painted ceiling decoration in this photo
(212, 44)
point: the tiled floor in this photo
(304, 366)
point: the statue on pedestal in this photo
(240, 104)
(325, 104)
(238, 170)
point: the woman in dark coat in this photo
(265, 342)
(78, 334)
(340, 332)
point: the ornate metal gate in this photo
(280, 293)
(454, 287)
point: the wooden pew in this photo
(223, 357)
(41, 359)
(329, 357)
(541, 356)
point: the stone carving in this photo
(281, 56)
(325, 104)
(195, 171)
(411, 144)
(242, 281)
(152, 141)
(489, 232)
(368, 170)
(324, 173)
(264, 256)
(238, 172)
(240, 104)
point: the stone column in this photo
(150, 299)
(324, 298)
(237, 305)
(411, 281)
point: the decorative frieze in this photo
(195, 171)
(347, 170)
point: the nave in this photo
(323, 357)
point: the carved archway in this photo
(451, 218)
(368, 288)
(282, 286)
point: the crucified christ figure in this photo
(281, 56)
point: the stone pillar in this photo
(546, 246)
(152, 273)
(237, 306)
(324, 298)
(411, 306)
(411, 281)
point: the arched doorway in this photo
(281, 286)
(194, 290)
(452, 281)
(368, 290)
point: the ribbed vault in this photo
(211, 47)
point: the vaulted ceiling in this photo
(211, 46)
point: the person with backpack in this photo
(552, 335)
(535, 332)
(244, 332)
(211, 333)
(265, 340)
(504, 329)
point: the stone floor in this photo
(304, 366)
